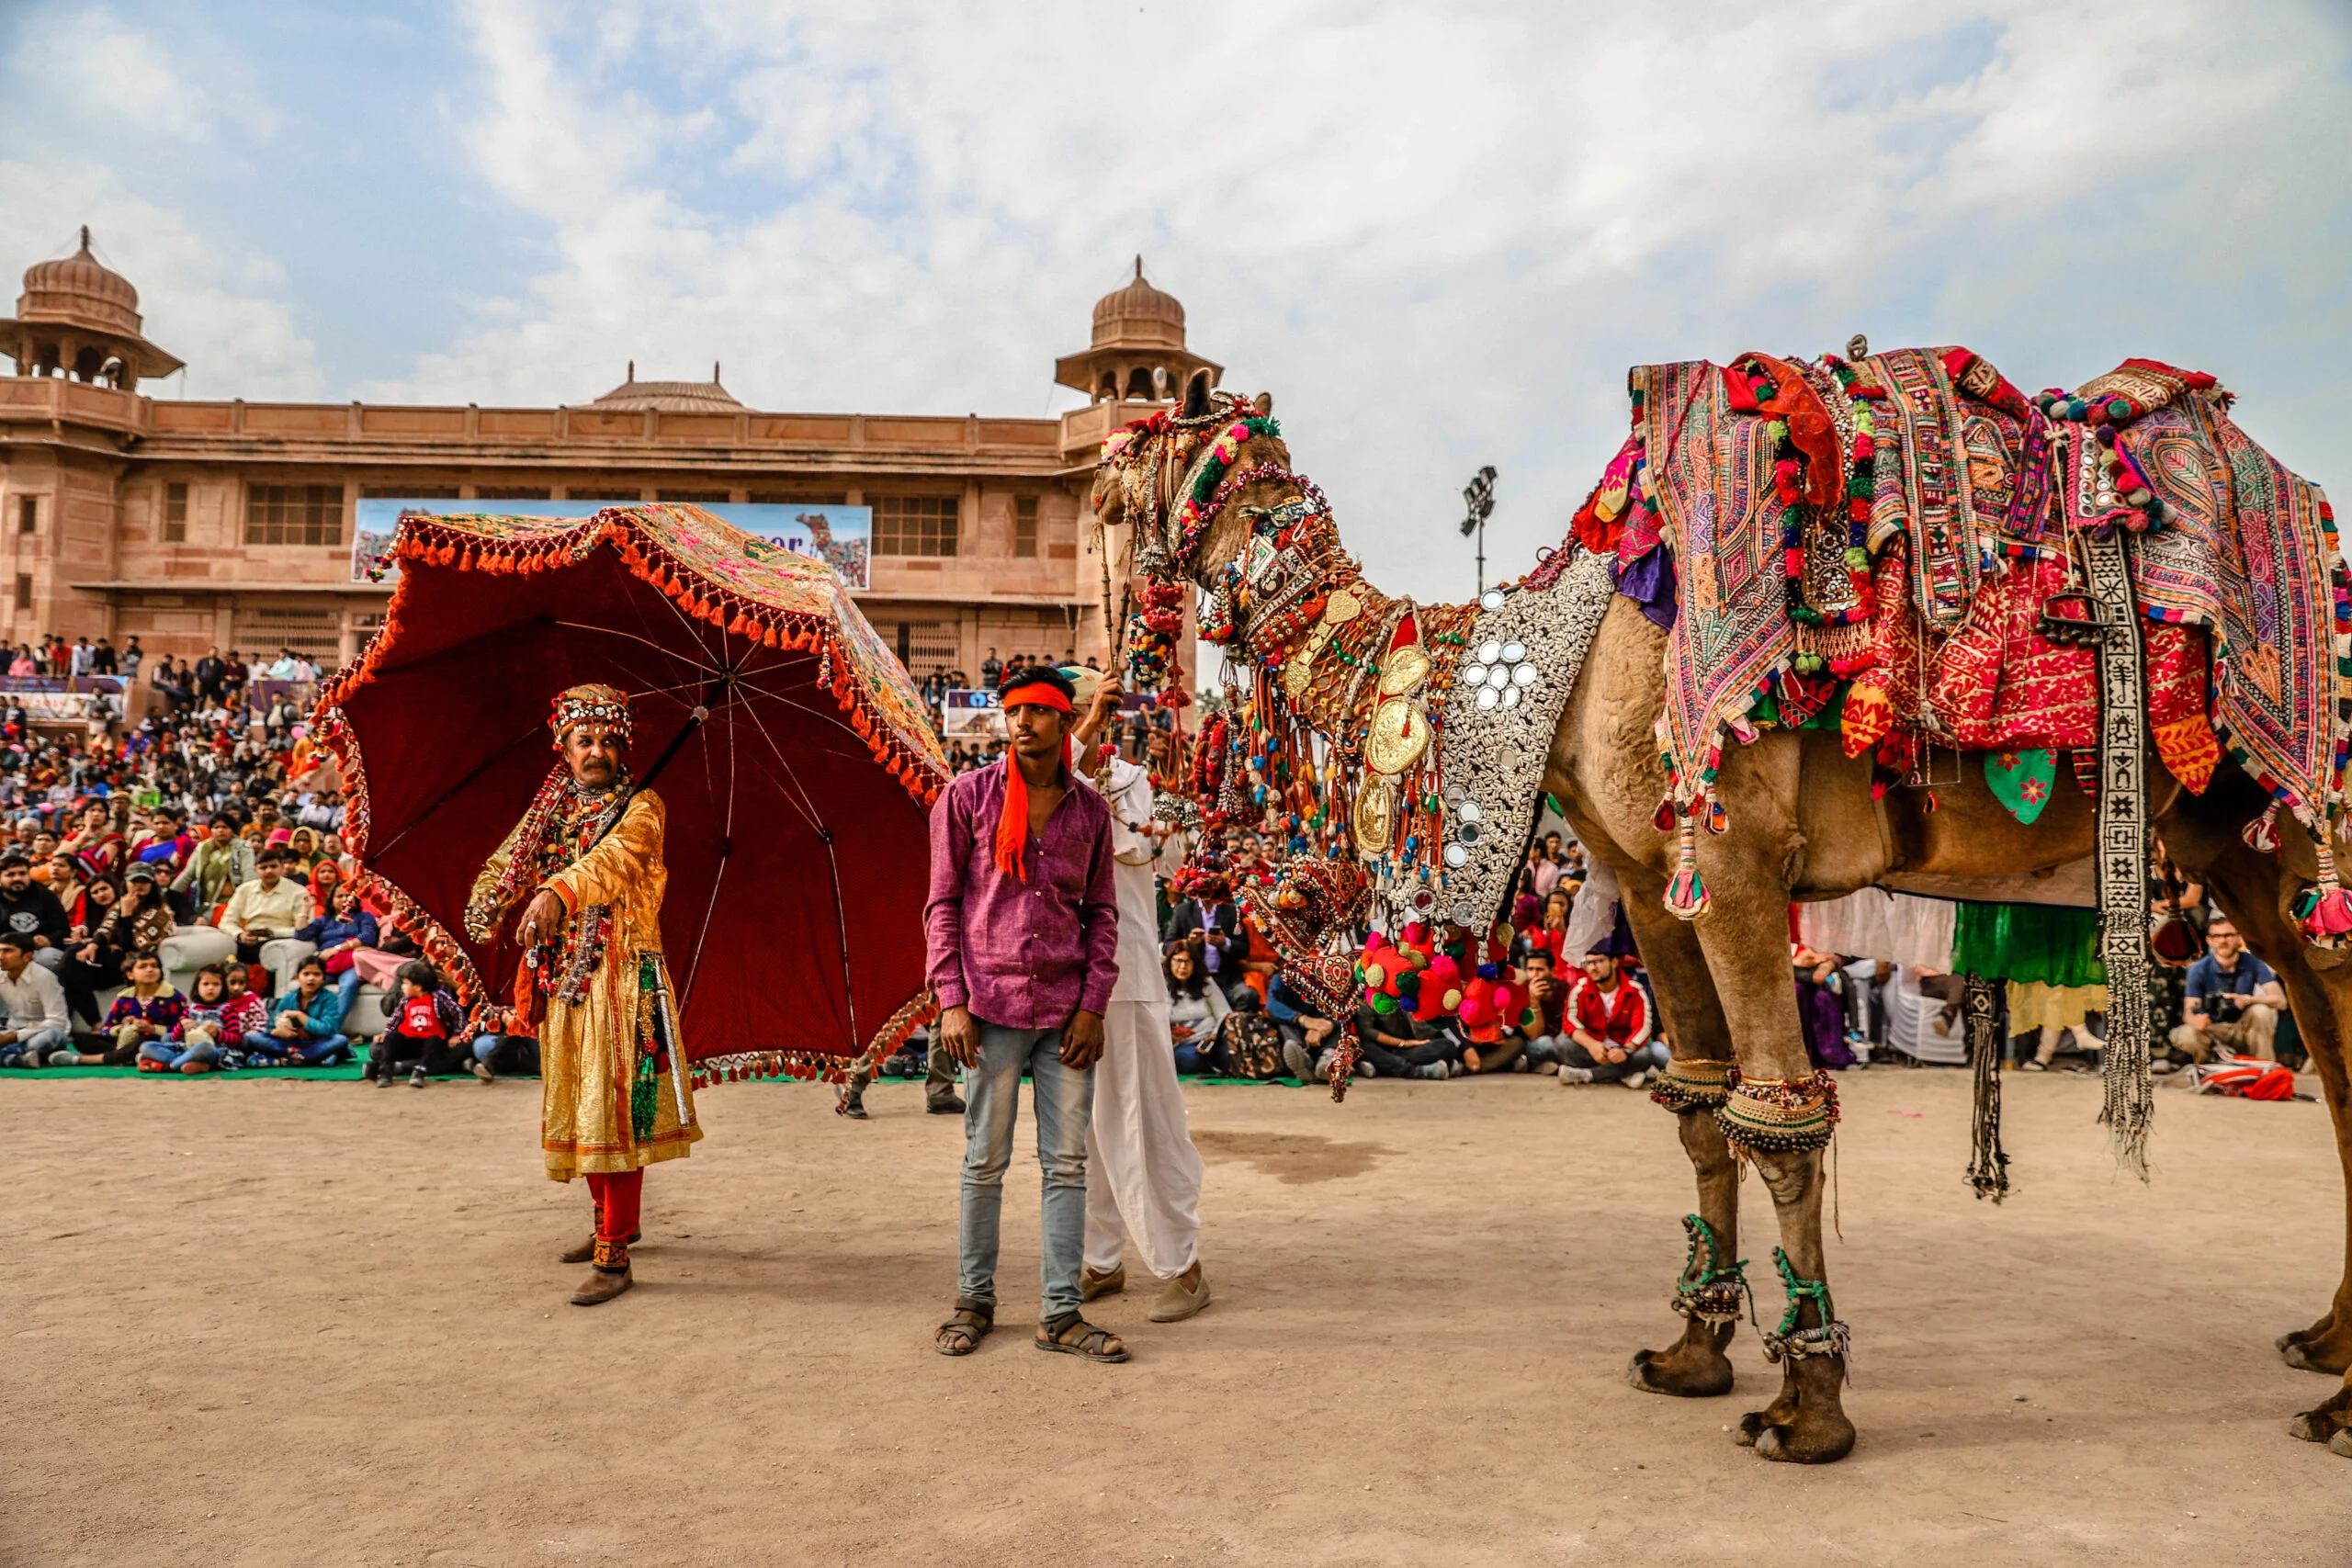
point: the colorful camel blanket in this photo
(1888, 543)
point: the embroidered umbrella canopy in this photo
(796, 761)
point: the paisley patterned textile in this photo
(1968, 528)
(1710, 473)
(2248, 551)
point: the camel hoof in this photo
(2341, 1443)
(1785, 1445)
(2287, 1341)
(2312, 1426)
(1750, 1425)
(2292, 1352)
(1649, 1373)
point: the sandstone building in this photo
(199, 525)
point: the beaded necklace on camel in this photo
(1333, 657)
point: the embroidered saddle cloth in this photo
(1972, 495)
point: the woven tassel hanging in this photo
(2326, 911)
(1685, 894)
(1988, 1162)
(2262, 833)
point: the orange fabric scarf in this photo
(1012, 823)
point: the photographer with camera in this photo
(2232, 1002)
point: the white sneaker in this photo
(1547, 1067)
(1636, 1080)
(1575, 1075)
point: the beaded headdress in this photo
(605, 707)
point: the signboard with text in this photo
(840, 536)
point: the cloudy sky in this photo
(1438, 233)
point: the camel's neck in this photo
(1327, 663)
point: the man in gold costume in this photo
(584, 867)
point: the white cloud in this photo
(1440, 236)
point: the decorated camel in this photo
(1823, 627)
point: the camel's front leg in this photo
(1709, 1294)
(1779, 1112)
(1807, 1424)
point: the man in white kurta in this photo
(1143, 1173)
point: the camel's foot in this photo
(2317, 1351)
(1807, 1425)
(2341, 1444)
(1781, 1411)
(1694, 1368)
(2320, 1425)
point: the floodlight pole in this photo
(1479, 498)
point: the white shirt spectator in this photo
(281, 909)
(79, 663)
(34, 1000)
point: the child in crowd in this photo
(194, 1044)
(305, 1027)
(148, 1010)
(504, 1043)
(419, 1039)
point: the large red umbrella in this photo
(796, 841)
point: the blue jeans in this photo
(175, 1056)
(307, 1052)
(41, 1042)
(1545, 1047)
(347, 990)
(1065, 1100)
(1641, 1057)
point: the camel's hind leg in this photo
(2201, 836)
(1745, 939)
(1695, 1366)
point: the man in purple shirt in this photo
(1022, 931)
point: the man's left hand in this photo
(1082, 1040)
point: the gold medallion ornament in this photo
(1298, 670)
(1397, 736)
(1403, 669)
(1375, 817)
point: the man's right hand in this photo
(960, 1036)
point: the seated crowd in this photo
(168, 899)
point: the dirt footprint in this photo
(1291, 1157)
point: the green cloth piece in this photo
(1829, 716)
(2048, 943)
(2022, 781)
(344, 1070)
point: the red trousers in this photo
(616, 1197)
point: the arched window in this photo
(1139, 384)
(1110, 394)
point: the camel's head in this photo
(1186, 480)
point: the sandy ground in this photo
(299, 1322)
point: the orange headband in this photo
(1037, 693)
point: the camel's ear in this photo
(1196, 394)
(1265, 405)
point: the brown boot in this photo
(587, 1250)
(608, 1279)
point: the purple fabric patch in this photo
(1648, 581)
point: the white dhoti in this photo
(1143, 1175)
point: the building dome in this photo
(80, 288)
(1138, 313)
(669, 396)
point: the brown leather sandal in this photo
(1090, 1344)
(962, 1333)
